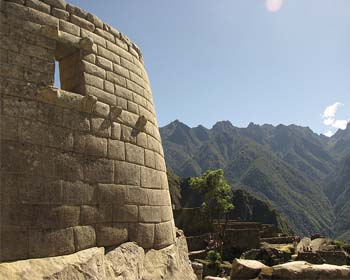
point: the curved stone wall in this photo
(83, 165)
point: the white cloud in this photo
(273, 6)
(330, 119)
(340, 124)
(331, 110)
(328, 133)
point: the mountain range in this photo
(305, 176)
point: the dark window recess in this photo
(68, 72)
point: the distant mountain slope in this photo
(338, 191)
(284, 165)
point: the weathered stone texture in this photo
(81, 165)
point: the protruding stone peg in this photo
(88, 103)
(48, 94)
(141, 123)
(116, 111)
(86, 44)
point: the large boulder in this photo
(246, 269)
(128, 261)
(304, 270)
(81, 265)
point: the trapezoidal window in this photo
(68, 72)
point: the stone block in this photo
(116, 79)
(141, 139)
(101, 95)
(133, 107)
(101, 110)
(136, 195)
(108, 36)
(61, 138)
(131, 66)
(75, 10)
(123, 92)
(14, 243)
(101, 51)
(164, 180)
(59, 13)
(39, 5)
(84, 237)
(101, 127)
(60, 4)
(109, 86)
(104, 63)
(20, 158)
(116, 131)
(8, 128)
(32, 132)
(95, 20)
(111, 234)
(41, 18)
(39, 190)
(150, 159)
(97, 39)
(160, 162)
(123, 103)
(82, 23)
(96, 214)
(150, 214)
(167, 213)
(69, 27)
(137, 79)
(125, 213)
(150, 178)
(77, 193)
(120, 70)
(54, 217)
(111, 194)
(119, 51)
(51, 243)
(64, 165)
(145, 235)
(93, 69)
(116, 149)
(164, 235)
(134, 154)
(134, 87)
(96, 146)
(157, 197)
(76, 120)
(127, 173)
(99, 171)
(127, 134)
(93, 81)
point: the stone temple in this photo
(81, 165)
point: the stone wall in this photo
(81, 166)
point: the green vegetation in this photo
(214, 258)
(216, 193)
(286, 166)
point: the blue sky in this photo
(261, 61)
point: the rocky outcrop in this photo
(304, 270)
(128, 261)
(246, 269)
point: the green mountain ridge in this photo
(290, 167)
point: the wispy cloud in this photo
(273, 6)
(329, 117)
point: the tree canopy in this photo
(216, 193)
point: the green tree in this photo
(217, 198)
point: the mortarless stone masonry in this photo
(81, 166)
